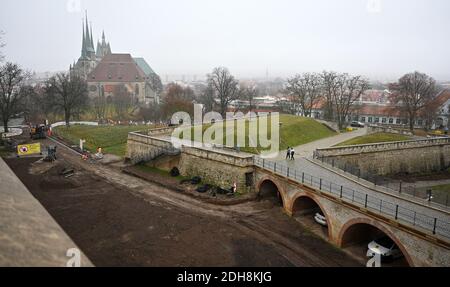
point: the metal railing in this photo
(396, 212)
(390, 185)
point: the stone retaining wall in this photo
(144, 148)
(420, 156)
(217, 167)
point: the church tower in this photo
(103, 48)
(89, 58)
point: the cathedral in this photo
(106, 73)
(89, 58)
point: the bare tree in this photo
(11, 79)
(329, 82)
(225, 86)
(413, 92)
(67, 94)
(350, 89)
(341, 91)
(207, 99)
(99, 106)
(31, 103)
(176, 99)
(150, 112)
(305, 89)
(122, 101)
(248, 94)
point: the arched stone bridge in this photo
(350, 224)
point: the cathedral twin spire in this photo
(87, 49)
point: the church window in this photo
(136, 89)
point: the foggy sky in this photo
(381, 41)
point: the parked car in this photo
(320, 219)
(357, 124)
(384, 246)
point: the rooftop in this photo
(117, 68)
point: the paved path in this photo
(306, 150)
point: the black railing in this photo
(397, 212)
(389, 184)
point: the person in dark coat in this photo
(288, 153)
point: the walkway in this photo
(306, 150)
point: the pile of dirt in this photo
(41, 167)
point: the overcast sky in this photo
(378, 38)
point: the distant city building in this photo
(378, 110)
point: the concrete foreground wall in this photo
(419, 250)
(29, 236)
(392, 158)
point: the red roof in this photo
(443, 97)
(375, 110)
(117, 68)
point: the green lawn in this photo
(294, 131)
(112, 139)
(375, 138)
(445, 187)
(441, 193)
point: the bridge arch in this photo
(359, 230)
(306, 204)
(269, 187)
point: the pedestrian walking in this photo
(292, 153)
(288, 153)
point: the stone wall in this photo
(144, 148)
(217, 167)
(220, 167)
(420, 156)
(161, 131)
(381, 129)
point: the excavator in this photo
(38, 132)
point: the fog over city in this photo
(377, 38)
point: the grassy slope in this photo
(112, 139)
(445, 187)
(375, 138)
(294, 131)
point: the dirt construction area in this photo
(119, 220)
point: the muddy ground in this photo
(119, 220)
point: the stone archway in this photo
(268, 187)
(306, 204)
(361, 229)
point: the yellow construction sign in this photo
(27, 149)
